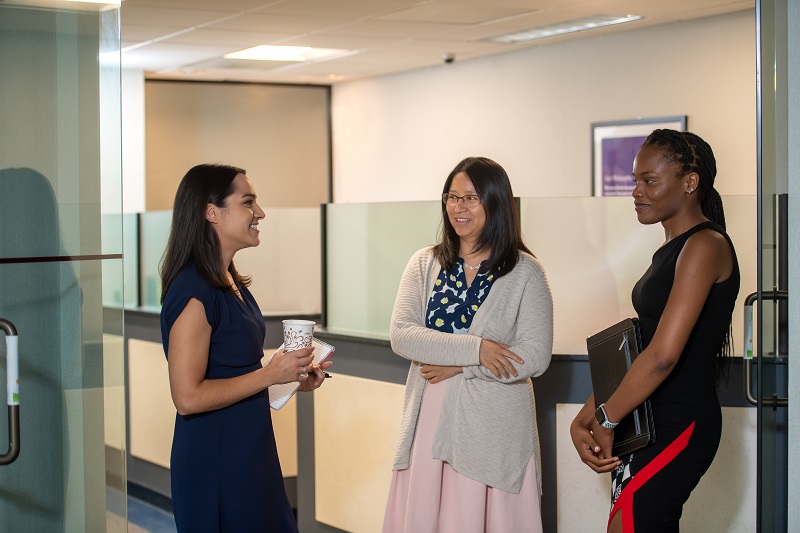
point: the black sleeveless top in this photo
(694, 377)
(652, 484)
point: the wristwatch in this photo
(602, 418)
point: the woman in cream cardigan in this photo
(474, 315)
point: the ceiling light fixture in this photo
(569, 26)
(285, 53)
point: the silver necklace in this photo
(470, 266)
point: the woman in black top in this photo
(684, 301)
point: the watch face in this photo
(600, 415)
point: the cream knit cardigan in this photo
(487, 428)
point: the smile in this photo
(462, 220)
(254, 226)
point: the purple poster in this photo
(618, 154)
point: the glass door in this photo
(771, 376)
(61, 267)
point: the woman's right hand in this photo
(497, 358)
(286, 367)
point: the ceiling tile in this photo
(344, 42)
(209, 5)
(134, 33)
(185, 18)
(231, 40)
(458, 13)
(282, 23)
(352, 9)
(385, 28)
(162, 55)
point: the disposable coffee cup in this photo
(297, 334)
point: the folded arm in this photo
(533, 344)
(410, 337)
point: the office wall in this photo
(396, 137)
(279, 134)
(133, 170)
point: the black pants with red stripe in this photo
(652, 484)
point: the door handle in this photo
(12, 387)
(748, 348)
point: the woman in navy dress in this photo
(224, 465)
(684, 301)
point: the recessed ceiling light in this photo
(284, 53)
(569, 26)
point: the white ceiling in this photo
(186, 39)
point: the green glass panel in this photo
(154, 227)
(368, 247)
(593, 251)
(60, 212)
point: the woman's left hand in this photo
(315, 377)
(605, 439)
(436, 373)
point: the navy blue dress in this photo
(224, 465)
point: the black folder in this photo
(611, 353)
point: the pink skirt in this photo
(430, 496)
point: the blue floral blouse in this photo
(452, 304)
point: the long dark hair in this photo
(692, 154)
(191, 237)
(501, 231)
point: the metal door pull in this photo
(12, 379)
(749, 395)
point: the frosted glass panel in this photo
(154, 229)
(286, 268)
(594, 250)
(368, 248)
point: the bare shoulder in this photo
(708, 241)
(710, 250)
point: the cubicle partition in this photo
(593, 250)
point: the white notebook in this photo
(280, 394)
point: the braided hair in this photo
(692, 154)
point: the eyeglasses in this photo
(470, 200)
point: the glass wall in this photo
(367, 248)
(285, 268)
(593, 251)
(60, 254)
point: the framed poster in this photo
(614, 146)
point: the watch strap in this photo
(602, 417)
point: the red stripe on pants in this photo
(625, 500)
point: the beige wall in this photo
(398, 136)
(279, 134)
